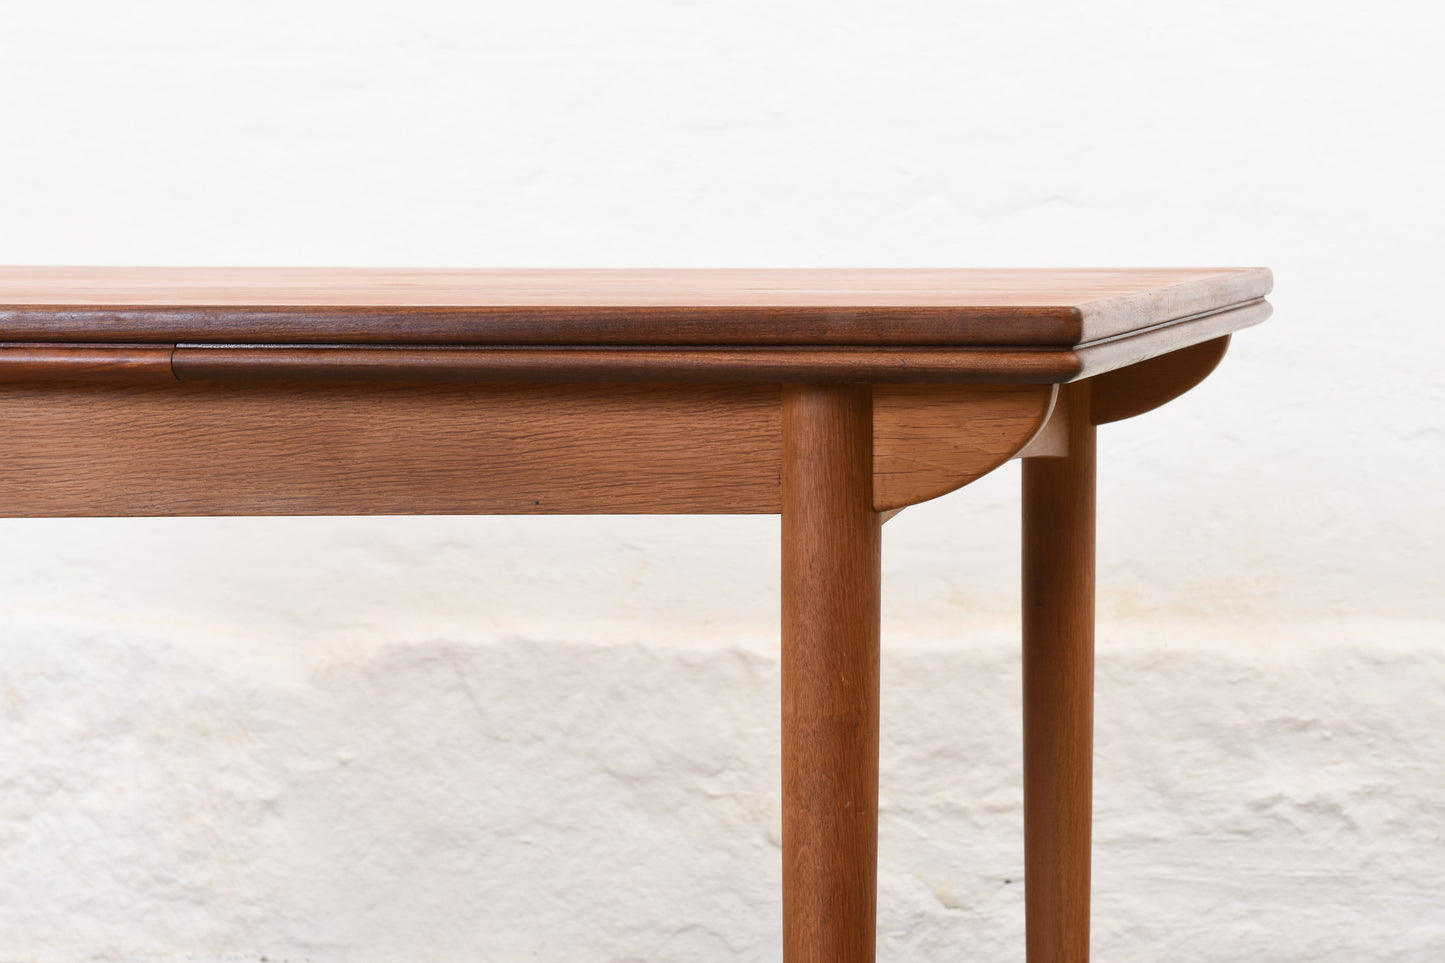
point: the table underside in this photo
(272, 446)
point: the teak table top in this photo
(890, 325)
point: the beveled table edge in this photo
(1044, 311)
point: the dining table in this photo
(832, 397)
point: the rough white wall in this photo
(555, 739)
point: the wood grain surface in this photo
(622, 363)
(930, 440)
(913, 307)
(1113, 353)
(346, 449)
(1058, 689)
(830, 664)
(290, 363)
(122, 363)
(901, 365)
(326, 448)
(1126, 392)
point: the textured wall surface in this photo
(555, 739)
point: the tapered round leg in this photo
(1058, 697)
(831, 581)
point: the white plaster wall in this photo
(554, 739)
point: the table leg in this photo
(1058, 696)
(831, 583)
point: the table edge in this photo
(169, 363)
(1017, 325)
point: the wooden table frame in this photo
(834, 398)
